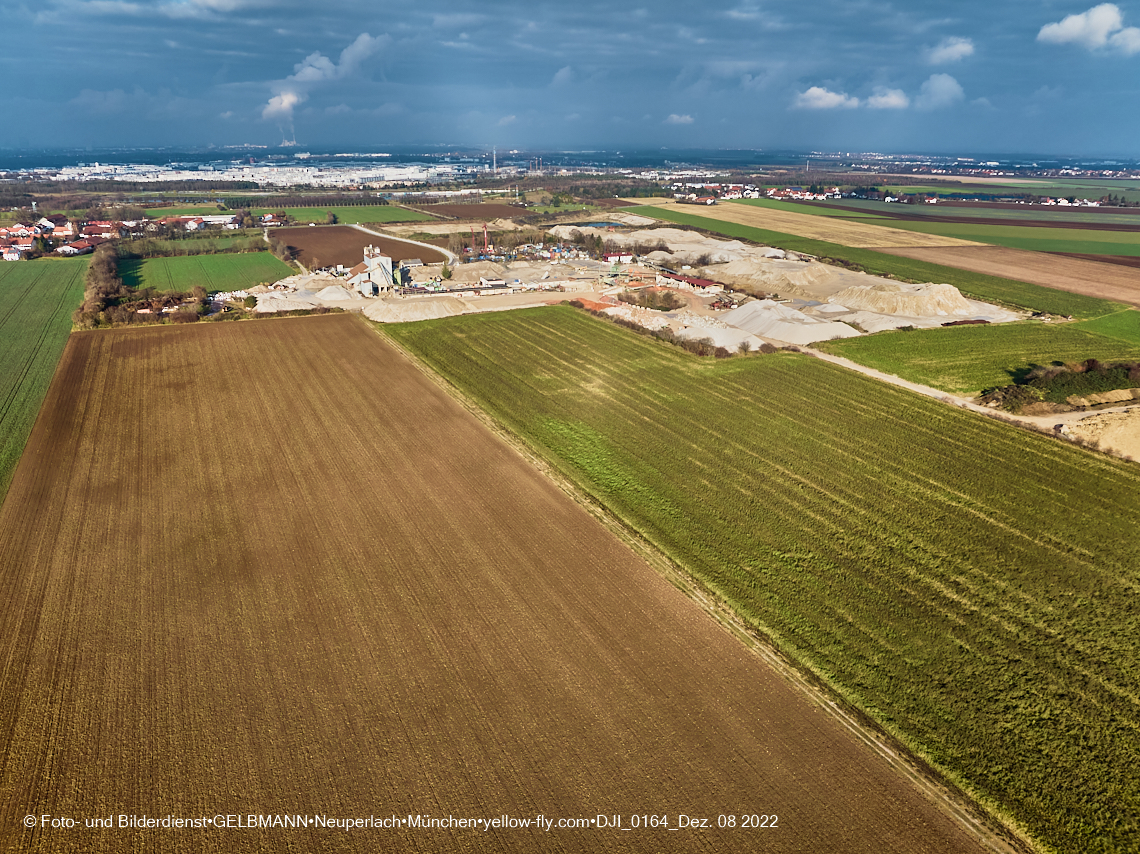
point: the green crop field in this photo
(37, 299)
(351, 215)
(968, 359)
(1042, 239)
(1123, 325)
(212, 272)
(970, 585)
(977, 285)
(193, 210)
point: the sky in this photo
(1047, 77)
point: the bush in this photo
(657, 300)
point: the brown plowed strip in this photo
(854, 232)
(1078, 276)
(272, 567)
(1121, 260)
(343, 244)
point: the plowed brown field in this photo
(304, 605)
(833, 229)
(343, 244)
(1076, 275)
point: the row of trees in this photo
(151, 247)
(328, 200)
(103, 286)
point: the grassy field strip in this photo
(967, 359)
(352, 215)
(212, 272)
(943, 570)
(977, 285)
(431, 625)
(1044, 239)
(856, 234)
(1122, 325)
(863, 208)
(36, 302)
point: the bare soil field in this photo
(312, 609)
(343, 244)
(833, 229)
(476, 212)
(1121, 260)
(1076, 275)
(614, 203)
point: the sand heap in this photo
(883, 297)
(423, 308)
(1114, 431)
(773, 275)
(338, 293)
(469, 274)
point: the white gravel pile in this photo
(274, 302)
(336, 293)
(771, 320)
(422, 308)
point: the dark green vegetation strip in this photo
(971, 585)
(968, 359)
(350, 215)
(36, 302)
(212, 272)
(977, 285)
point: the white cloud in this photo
(675, 119)
(563, 75)
(950, 50)
(1126, 41)
(280, 106)
(888, 99)
(1099, 27)
(314, 70)
(317, 67)
(940, 90)
(818, 98)
(507, 120)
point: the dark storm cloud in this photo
(853, 74)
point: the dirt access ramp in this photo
(831, 229)
(359, 601)
(1076, 275)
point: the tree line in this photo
(332, 200)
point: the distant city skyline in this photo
(1044, 78)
